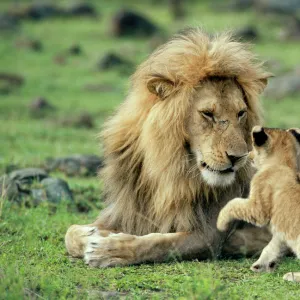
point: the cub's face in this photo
(275, 146)
(219, 134)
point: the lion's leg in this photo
(270, 255)
(247, 241)
(119, 249)
(239, 209)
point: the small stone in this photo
(34, 45)
(38, 195)
(60, 59)
(40, 107)
(28, 176)
(82, 165)
(75, 50)
(40, 11)
(84, 120)
(70, 166)
(177, 8)
(100, 87)
(278, 6)
(111, 61)
(9, 82)
(8, 23)
(81, 9)
(248, 33)
(130, 23)
(57, 190)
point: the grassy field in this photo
(33, 260)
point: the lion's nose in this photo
(234, 158)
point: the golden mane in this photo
(146, 175)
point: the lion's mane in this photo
(146, 177)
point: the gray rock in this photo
(282, 86)
(38, 196)
(56, 190)
(247, 33)
(20, 183)
(41, 11)
(111, 61)
(75, 50)
(292, 31)
(81, 9)
(82, 165)
(28, 176)
(9, 82)
(40, 107)
(8, 23)
(278, 6)
(83, 120)
(28, 43)
(130, 23)
(177, 8)
(265, 6)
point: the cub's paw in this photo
(116, 249)
(263, 267)
(222, 222)
(292, 276)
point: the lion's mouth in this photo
(226, 171)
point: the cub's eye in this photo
(207, 115)
(242, 114)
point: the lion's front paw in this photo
(116, 249)
(263, 267)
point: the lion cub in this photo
(274, 198)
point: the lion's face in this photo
(218, 131)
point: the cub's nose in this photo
(234, 158)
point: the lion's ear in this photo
(160, 86)
(259, 136)
(296, 133)
(263, 81)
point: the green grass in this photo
(33, 260)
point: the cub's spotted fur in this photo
(274, 199)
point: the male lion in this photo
(175, 153)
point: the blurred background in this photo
(64, 68)
(65, 65)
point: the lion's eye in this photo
(208, 115)
(242, 114)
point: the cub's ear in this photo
(296, 133)
(160, 86)
(263, 81)
(259, 136)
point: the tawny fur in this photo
(274, 199)
(151, 181)
(146, 137)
